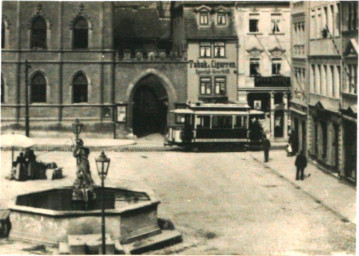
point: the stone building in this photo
(79, 66)
(349, 89)
(204, 33)
(299, 76)
(263, 30)
(325, 59)
(325, 72)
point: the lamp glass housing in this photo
(102, 164)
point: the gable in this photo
(351, 49)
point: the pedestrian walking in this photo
(266, 146)
(300, 163)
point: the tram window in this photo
(180, 119)
(222, 122)
(204, 122)
(241, 121)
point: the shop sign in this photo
(212, 67)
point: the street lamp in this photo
(77, 128)
(102, 164)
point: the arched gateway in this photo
(151, 96)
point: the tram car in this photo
(202, 125)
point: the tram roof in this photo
(217, 112)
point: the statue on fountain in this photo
(83, 185)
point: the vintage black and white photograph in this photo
(178, 127)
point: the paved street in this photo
(222, 203)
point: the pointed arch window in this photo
(2, 91)
(38, 89)
(80, 33)
(80, 89)
(38, 33)
(2, 37)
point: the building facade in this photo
(264, 56)
(299, 76)
(349, 89)
(324, 88)
(324, 60)
(204, 32)
(80, 67)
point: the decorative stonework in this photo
(277, 52)
(222, 9)
(255, 52)
(82, 13)
(40, 12)
(203, 8)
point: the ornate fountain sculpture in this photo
(83, 187)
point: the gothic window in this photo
(2, 91)
(80, 89)
(80, 34)
(38, 89)
(2, 35)
(38, 33)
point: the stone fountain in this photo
(70, 217)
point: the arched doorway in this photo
(149, 106)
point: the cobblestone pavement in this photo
(222, 203)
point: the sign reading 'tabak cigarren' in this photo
(212, 67)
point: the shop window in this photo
(219, 49)
(220, 85)
(80, 89)
(253, 25)
(80, 34)
(222, 122)
(205, 49)
(221, 18)
(275, 23)
(203, 18)
(205, 86)
(38, 33)
(38, 89)
(254, 67)
(180, 119)
(276, 67)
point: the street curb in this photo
(317, 200)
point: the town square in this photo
(178, 127)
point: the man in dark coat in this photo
(266, 147)
(300, 163)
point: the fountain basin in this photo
(49, 216)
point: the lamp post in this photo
(77, 128)
(102, 164)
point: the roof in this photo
(194, 31)
(143, 23)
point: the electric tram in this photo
(203, 124)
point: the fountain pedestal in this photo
(49, 217)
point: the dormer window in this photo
(221, 18)
(203, 18)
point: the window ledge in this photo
(81, 103)
(39, 104)
(277, 34)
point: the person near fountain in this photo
(84, 179)
(18, 171)
(30, 162)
